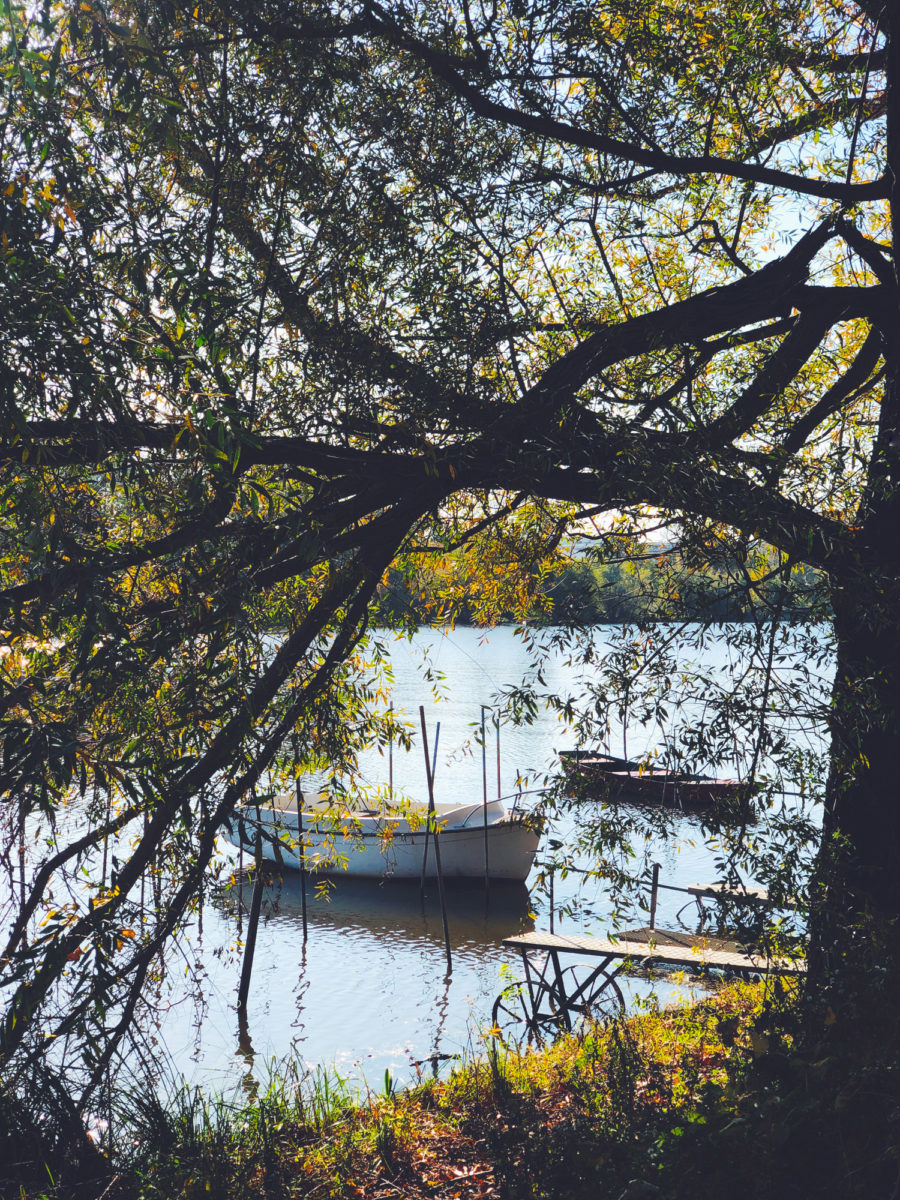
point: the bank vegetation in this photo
(705, 1099)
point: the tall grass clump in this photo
(45, 1149)
(188, 1143)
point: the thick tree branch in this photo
(854, 380)
(799, 345)
(657, 471)
(770, 292)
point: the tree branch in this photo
(851, 382)
(562, 132)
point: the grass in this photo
(707, 1100)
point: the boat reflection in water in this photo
(392, 910)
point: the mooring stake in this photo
(654, 894)
(437, 738)
(499, 788)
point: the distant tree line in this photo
(662, 585)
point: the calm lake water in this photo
(369, 991)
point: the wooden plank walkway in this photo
(720, 891)
(645, 946)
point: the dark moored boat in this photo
(603, 776)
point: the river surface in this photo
(369, 990)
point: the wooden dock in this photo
(720, 891)
(645, 946)
(552, 997)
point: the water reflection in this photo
(394, 909)
(369, 989)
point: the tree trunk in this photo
(855, 902)
(855, 909)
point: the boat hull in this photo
(388, 848)
(604, 777)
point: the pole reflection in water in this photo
(303, 984)
(249, 1082)
(437, 1056)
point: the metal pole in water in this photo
(437, 843)
(252, 924)
(391, 754)
(487, 874)
(437, 738)
(499, 789)
(300, 846)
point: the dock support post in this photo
(654, 894)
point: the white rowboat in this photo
(378, 844)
